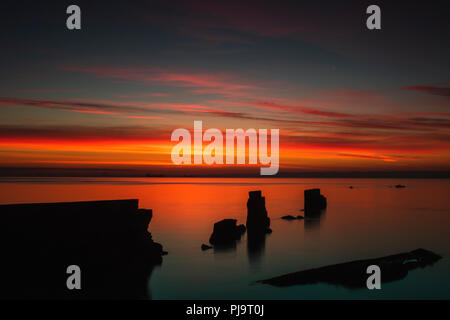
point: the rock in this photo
(257, 219)
(353, 274)
(241, 228)
(400, 186)
(314, 201)
(289, 217)
(351, 187)
(205, 247)
(226, 232)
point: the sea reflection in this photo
(314, 220)
(256, 246)
(225, 248)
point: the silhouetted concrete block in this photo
(314, 201)
(257, 219)
(225, 232)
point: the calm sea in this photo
(373, 219)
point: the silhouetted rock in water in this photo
(315, 208)
(289, 217)
(400, 186)
(314, 201)
(353, 275)
(258, 226)
(257, 219)
(205, 247)
(351, 187)
(226, 232)
(108, 240)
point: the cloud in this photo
(364, 156)
(48, 134)
(408, 121)
(301, 109)
(352, 94)
(75, 106)
(438, 91)
(383, 144)
(119, 110)
(144, 95)
(155, 110)
(199, 82)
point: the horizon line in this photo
(11, 172)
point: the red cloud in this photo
(83, 134)
(75, 106)
(438, 91)
(353, 94)
(202, 83)
(301, 109)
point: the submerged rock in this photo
(226, 232)
(257, 219)
(353, 275)
(205, 247)
(314, 201)
(400, 186)
(289, 217)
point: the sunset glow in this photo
(339, 106)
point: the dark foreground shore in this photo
(108, 240)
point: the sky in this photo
(345, 98)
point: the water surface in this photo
(371, 220)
